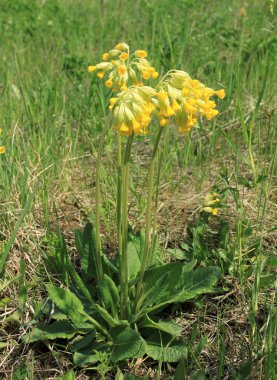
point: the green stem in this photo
(151, 255)
(148, 218)
(124, 275)
(99, 264)
(119, 192)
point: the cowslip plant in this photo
(115, 305)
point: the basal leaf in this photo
(165, 349)
(58, 329)
(133, 258)
(127, 343)
(153, 275)
(189, 285)
(112, 322)
(68, 303)
(110, 294)
(82, 342)
(169, 327)
(197, 282)
(81, 360)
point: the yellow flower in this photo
(175, 106)
(211, 210)
(100, 74)
(145, 75)
(113, 101)
(211, 199)
(121, 70)
(109, 83)
(141, 53)
(123, 87)
(211, 114)
(162, 95)
(124, 130)
(118, 47)
(189, 108)
(163, 122)
(105, 56)
(151, 70)
(2, 149)
(91, 68)
(220, 93)
(185, 92)
(123, 56)
(169, 111)
(154, 75)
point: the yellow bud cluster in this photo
(2, 148)
(132, 110)
(121, 69)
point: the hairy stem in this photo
(99, 264)
(124, 257)
(145, 257)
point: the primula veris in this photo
(210, 203)
(177, 98)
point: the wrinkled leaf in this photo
(163, 348)
(110, 294)
(58, 329)
(68, 303)
(127, 343)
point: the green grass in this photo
(51, 113)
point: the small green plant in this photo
(111, 310)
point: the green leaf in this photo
(58, 329)
(127, 344)
(180, 372)
(89, 249)
(81, 360)
(197, 282)
(177, 253)
(163, 348)
(169, 327)
(187, 286)
(79, 241)
(112, 322)
(70, 375)
(133, 258)
(68, 303)
(82, 342)
(110, 294)
(154, 274)
(148, 297)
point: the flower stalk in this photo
(98, 256)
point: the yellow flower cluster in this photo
(132, 110)
(185, 99)
(2, 148)
(177, 98)
(120, 69)
(210, 203)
